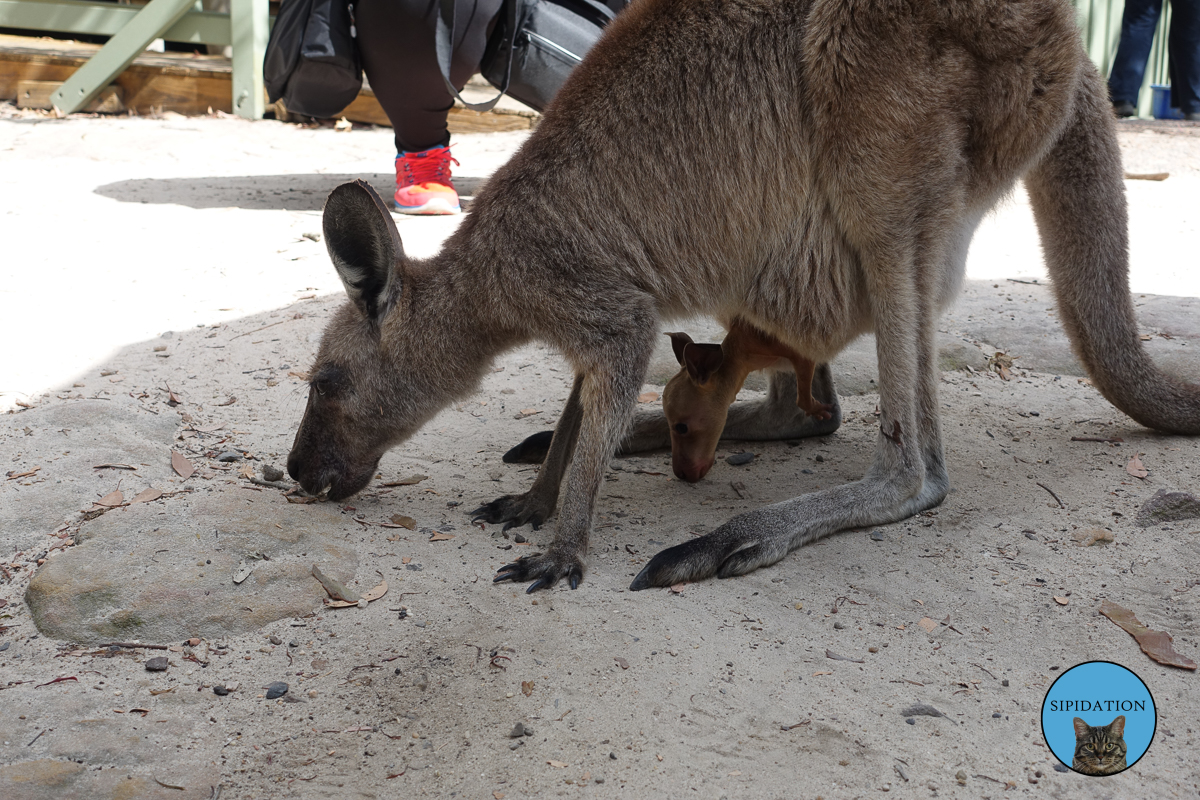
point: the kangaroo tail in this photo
(1078, 198)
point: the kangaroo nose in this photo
(692, 471)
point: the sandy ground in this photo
(790, 682)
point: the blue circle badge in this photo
(1098, 718)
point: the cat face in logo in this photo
(1099, 750)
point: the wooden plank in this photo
(191, 84)
(36, 94)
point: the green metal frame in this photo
(246, 28)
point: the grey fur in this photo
(817, 167)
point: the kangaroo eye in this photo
(681, 428)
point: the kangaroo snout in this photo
(691, 471)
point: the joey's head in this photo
(696, 404)
(375, 381)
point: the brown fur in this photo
(696, 400)
(816, 167)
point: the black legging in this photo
(395, 38)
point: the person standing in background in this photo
(1138, 22)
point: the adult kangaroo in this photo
(815, 167)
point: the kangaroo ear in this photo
(365, 247)
(702, 360)
(678, 342)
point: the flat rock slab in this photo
(51, 779)
(163, 572)
(67, 441)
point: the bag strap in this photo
(445, 49)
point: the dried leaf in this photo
(409, 481)
(836, 657)
(824, 672)
(172, 398)
(301, 375)
(371, 596)
(527, 688)
(647, 397)
(57, 680)
(146, 496)
(526, 412)
(928, 624)
(114, 466)
(112, 499)
(232, 399)
(335, 588)
(1062, 601)
(183, 468)
(558, 764)
(498, 795)
(406, 560)
(12, 476)
(1136, 468)
(678, 587)
(622, 663)
(247, 471)
(1156, 644)
(404, 522)
(438, 536)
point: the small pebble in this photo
(876, 536)
(612, 755)
(272, 473)
(193, 641)
(961, 777)
(739, 459)
(1061, 768)
(157, 664)
(518, 731)
(293, 643)
(807, 471)
(275, 640)
(911, 721)
(516, 744)
(872, 649)
(220, 691)
(519, 539)
(1004, 682)
(276, 689)
(996, 716)
(837, 626)
(819, 459)
(230, 455)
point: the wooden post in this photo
(250, 27)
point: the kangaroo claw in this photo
(543, 569)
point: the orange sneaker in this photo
(423, 184)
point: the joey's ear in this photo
(678, 342)
(365, 247)
(702, 360)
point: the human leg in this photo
(396, 38)
(1129, 64)
(1184, 44)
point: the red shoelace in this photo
(431, 166)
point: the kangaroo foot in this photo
(544, 569)
(515, 510)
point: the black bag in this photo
(533, 47)
(312, 61)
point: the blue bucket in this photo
(1160, 104)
